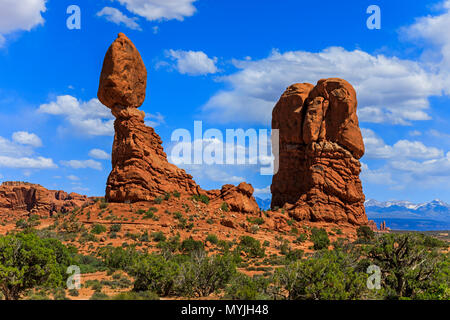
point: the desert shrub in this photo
(201, 198)
(225, 207)
(410, 268)
(176, 194)
(132, 295)
(190, 245)
(89, 264)
(243, 287)
(99, 296)
(365, 234)
(302, 237)
(325, 277)
(251, 247)
(203, 275)
(212, 238)
(255, 220)
(294, 255)
(167, 196)
(319, 238)
(115, 228)
(154, 273)
(26, 261)
(103, 204)
(158, 236)
(98, 229)
(118, 258)
(158, 200)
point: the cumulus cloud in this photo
(99, 154)
(262, 191)
(376, 148)
(21, 15)
(18, 153)
(82, 164)
(154, 120)
(26, 138)
(160, 9)
(193, 62)
(89, 118)
(389, 89)
(116, 16)
(26, 162)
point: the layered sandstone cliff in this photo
(33, 198)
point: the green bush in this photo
(225, 207)
(255, 220)
(319, 238)
(158, 236)
(98, 229)
(26, 261)
(115, 228)
(155, 273)
(190, 245)
(251, 247)
(212, 238)
(365, 234)
(203, 275)
(132, 295)
(201, 198)
(325, 277)
(243, 287)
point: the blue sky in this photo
(225, 63)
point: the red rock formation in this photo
(238, 198)
(372, 225)
(320, 148)
(140, 167)
(33, 198)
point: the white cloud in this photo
(26, 138)
(73, 178)
(389, 89)
(116, 16)
(82, 164)
(193, 62)
(20, 15)
(154, 120)
(376, 148)
(28, 163)
(88, 118)
(262, 191)
(14, 154)
(160, 9)
(99, 154)
(380, 176)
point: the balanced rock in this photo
(319, 151)
(140, 170)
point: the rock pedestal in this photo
(140, 170)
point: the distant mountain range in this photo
(401, 215)
(405, 215)
(264, 204)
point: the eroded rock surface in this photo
(33, 198)
(320, 148)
